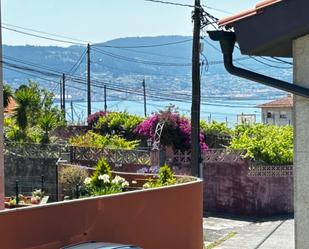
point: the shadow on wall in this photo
(231, 188)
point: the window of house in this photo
(283, 115)
(269, 114)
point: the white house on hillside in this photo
(278, 112)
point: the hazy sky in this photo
(102, 20)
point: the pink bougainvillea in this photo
(93, 118)
(176, 132)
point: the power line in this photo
(28, 63)
(283, 61)
(144, 46)
(80, 42)
(78, 63)
(266, 64)
(155, 54)
(42, 37)
(154, 63)
(171, 3)
(217, 9)
(45, 33)
(154, 92)
(139, 72)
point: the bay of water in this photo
(222, 111)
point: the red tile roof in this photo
(244, 14)
(11, 107)
(283, 102)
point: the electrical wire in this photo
(171, 3)
(46, 33)
(154, 93)
(78, 63)
(153, 63)
(155, 54)
(42, 37)
(217, 9)
(144, 46)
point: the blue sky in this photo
(102, 20)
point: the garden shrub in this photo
(92, 139)
(118, 123)
(70, 177)
(165, 177)
(102, 183)
(269, 144)
(216, 128)
(217, 135)
(102, 168)
(93, 118)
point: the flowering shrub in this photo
(101, 183)
(176, 131)
(104, 185)
(93, 118)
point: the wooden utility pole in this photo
(72, 112)
(63, 94)
(60, 96)
(196, 93)
(145, 104)
(105, 100)
(88, 81)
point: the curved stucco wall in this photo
(163, 218)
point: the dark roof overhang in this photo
(270, 30)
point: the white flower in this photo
(118, 180)
(125, 184)
(104, 178)
(87, 181)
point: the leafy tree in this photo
(35, 115)
(217, 135)
(27, 100)
(267, 143)
(47, 122)
(215, 128)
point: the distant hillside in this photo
(129, 65)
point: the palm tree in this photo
(47, 122)
(25, 98)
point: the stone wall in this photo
(229, 188)
(28, 172)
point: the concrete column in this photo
(301, 144)
(1, 122)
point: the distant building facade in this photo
(246, 119)
(278, 112)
